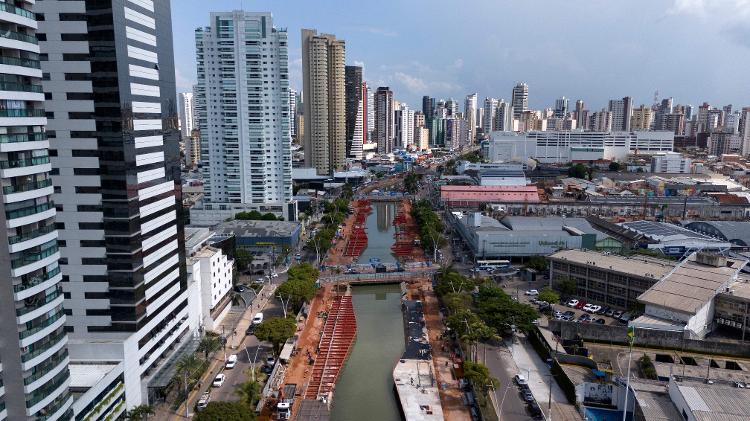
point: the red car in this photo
(580, 304)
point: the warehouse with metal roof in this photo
(735, 232)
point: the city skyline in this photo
(414, 59)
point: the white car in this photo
(274, 275)
(219, 380)
(532, 292)
(595, 308)
(231, 362)
(588, 308)
(203, 401)
(572, 303)
(258, 319)
(520, 379)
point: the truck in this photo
(284, 406)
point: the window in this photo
(41, 37)
(93, 261)
(77, 96)
(89, 208)
(94, 278)
(97, 312)
(65, 17)
(91, 226)
(74, 37)
(92, 243)
(86, 171)
(87, 189)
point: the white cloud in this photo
(421, 86)
(412, 83)
(183, 84)
(376, 31)
(359, 63)
(458, 63)
(723, 9)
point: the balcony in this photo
(36, 284)
(52, 391)
(22, 167)
(27, 191)
(29, 258)
(42, 351)
(20, 163)
(5, 7)
(39, 331)
(17, 36)
(21, 62)
(28, 313)
(53, 367)
(21, 112)
(15, 239)
(30, 214)
(23, 137)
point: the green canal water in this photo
(364, 390)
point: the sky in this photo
(595, 50)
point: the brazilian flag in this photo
(631, 334)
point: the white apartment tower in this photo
(470, 114)
(112, 124)
(33, 347)
(404, 127)
(622, 112)
(503, 116)
(323, 83)
(186, 113)
(292, 113)
(488, 121)
(243, 103)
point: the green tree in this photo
(450, 281)
(578, 171)
(249, 393)
(499, 311)
(614, 166)
(347, 192)
(276, 330)
(295, 292)
(139, 413)
(567, 287)
(548, 295)
(269, 217)
(248, 216)
(538, 263)
(411, 182)
(479, 375)
(457, 301)
(225, 411)
(209, 343)
(242, 258)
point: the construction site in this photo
(354, 336)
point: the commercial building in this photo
(34, 374)
(566, 146)
(673, 240)
(260, 235)
(384, 130)
(622, 112)
(699, 401)
(522, 236)
(243, 112)
(481, 196)
(520, 99)
(561, 108)
(671, 163)
(186, 113)
(324, 87)
(111, 107)
(605, 278)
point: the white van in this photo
(258, 319)
(231, 361)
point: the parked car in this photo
(600, 321)
(587, 308)
(520, 379)
(617, 314)
(240, 288)
(534, 409)
(581, 305)
(274, 275)
(527, 396)
(595, 308)
(609, 312)
(203, 401)
(532, 292)
(572, 303)
(219, 380)
(557, 313)
(570, 313)
(625, 317)
(270, 361)
(250, 330)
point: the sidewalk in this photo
(531, 365)
(163, 412)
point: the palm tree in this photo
(249, 393)
(209, 344)
(139, 413)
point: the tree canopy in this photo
(580, 171)
(479, 374)
(256, 216)
(450, 281)
(430, 225)
(225, 411)
(299, 286)
(411, 182)
(567, 287)
(276, 330)
(548, 295)
(538, 263)
(499, 311)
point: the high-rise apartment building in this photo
(503, 117)
(622, 111)
(186, 114)
(561, 107)
(403, 127)
(323, 81)
(356, 111)
(384, 119)
(370, 107)
(111, 107)
(428, 108)
(243, 106)
(293, 113)
(660, 111)
(581, 115)
(642, 118)
(33, 352)
(470, 115)
(600, 121)
(490, 110)
(520, 99)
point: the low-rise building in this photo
(261, 235)
(696, 401)
(605, 278)
(479, 196)
(670, 162)
(520, 236)
(211, 272)
(735, 232)
(674, 240)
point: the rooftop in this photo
(691, 285)
(417, 390)
(663, 231)
(656, 406)
(241, 228)
(86, 376)
(195, 237)
(645, 267)
(715, 402)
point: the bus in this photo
(492, 264)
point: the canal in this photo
(364, 390)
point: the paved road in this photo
(248, 347)
(496, 358)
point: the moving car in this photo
(257, 319)
(231, 362)
(219, 380)
(532, 292)
(270, 361)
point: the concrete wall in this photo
(646, 338)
